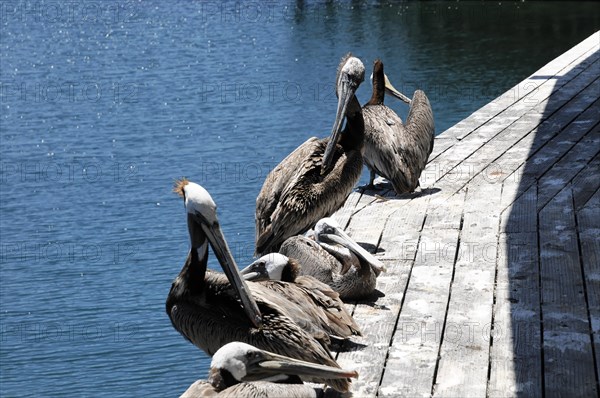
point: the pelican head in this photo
(244, 363)
(274, 266)
(203, 224)
(350, 74)
(389, 88)
(328, 231)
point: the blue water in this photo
(104, 104)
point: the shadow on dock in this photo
(548, 285)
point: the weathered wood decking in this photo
(493, 270)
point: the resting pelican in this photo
(335, 259)
(397, 151)
(240, 370)
(204, 306)
(280, 274)
(313, 181)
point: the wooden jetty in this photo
(493, 269)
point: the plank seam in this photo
(541, 297)
(554, 91)
(573, 61)
(559, 159)
(391, 341)
(585, 289)
(495, 299)
(456, 254)
(531, 155)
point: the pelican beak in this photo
(392, 90)
(255, 272)
(269, 364)
(345, 94)
(219, 245)
(342, 238)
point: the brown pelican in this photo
(313, 181)
(204, 306)
(280, 274)
(334, 258)
(243, 371)
(397, 151)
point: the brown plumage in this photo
(314, 180)
(280, 274)
(394, 150)
(211, 309)
(334, 258)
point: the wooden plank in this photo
(568, 360)
(586, 183)
(472, 297)
(567, 167)
(547, 150)
(545, 145)
(440, 145)
(379, 315)
(482, 134)
(588, 228)
(518, 216)
(559, 66)
(413, 354)
(486, 159)
(400, 237)
(443, 210)
(377, 320)
(367, 228)
(515, 352)
(342, 216)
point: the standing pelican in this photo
(397, 151)
(239, 370)
(335, 259)
(313, 181)
(280, 274)
(204, 306)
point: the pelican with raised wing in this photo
(394, 150)
(314, 180)
(243, 371)
(211, 309)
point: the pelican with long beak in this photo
(280, 274)
(211, 309)
(397, 151)
(332, 257)
(243, 371)
(313, 181)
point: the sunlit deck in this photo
(493, 269)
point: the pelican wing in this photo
(419, 123)
(382, 129)
(281, 334)
(310, 195)
(313, 259)
(290, 300)
(199, 389)
(275, 184)
(325, 297)
(264, 389)
(397, 151)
